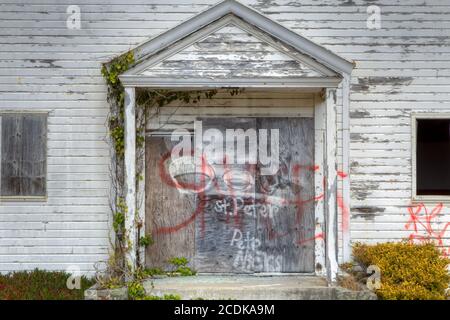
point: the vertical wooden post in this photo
(130, 178)
(331, 185)
(319, 190)
(346, 246)
(140, 190)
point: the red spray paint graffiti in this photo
(423, 223)
(343, 207)
(263, 200)
(317, 236)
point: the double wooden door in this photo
(244, 220)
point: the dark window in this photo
(433, 157)
(23, 155)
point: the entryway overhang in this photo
(231, 45)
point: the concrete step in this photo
(251, 287)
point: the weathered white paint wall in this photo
(400, 68)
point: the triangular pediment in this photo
(230, 50)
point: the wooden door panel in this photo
(166, 208)
(244, 221)
(287, 234)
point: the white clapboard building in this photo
(351, 98)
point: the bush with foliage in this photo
(408, 271)
(180, 266)
(40, 285)
(136, 291)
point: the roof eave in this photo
(161, 83)
(300, 43)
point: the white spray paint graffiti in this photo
(249, 257)
(226, 206)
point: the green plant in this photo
(119, 215)
(171, 297)
(180, 266)
(136, 290)
(146, 240)
(114, 68)
(185, 271)
(111, 72)
(165, 297)
(178, 261)
(408, 271)
(118, 221)
(40, 285)
(117, 134)
(143, 273)
(154, 271)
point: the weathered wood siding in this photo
(400, 68)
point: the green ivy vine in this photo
(116, 96)
(148, 105)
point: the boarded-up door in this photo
(168, 211)
(246, 220)
(286, 233)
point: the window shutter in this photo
(23, 155)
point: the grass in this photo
(349, 282)
(40, 285)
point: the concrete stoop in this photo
(252, 288)
(245, 287)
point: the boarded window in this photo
(433, 157)
(23, 155)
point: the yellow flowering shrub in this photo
(408, 271)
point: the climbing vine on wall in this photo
(116, 98)
(149, 103)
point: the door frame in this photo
(325, 181)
